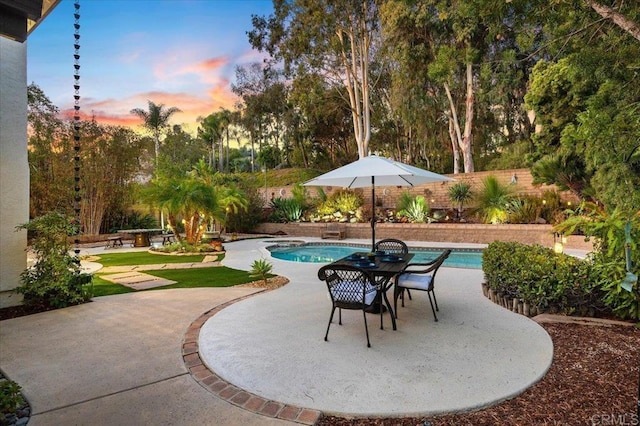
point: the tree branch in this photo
(616, 17)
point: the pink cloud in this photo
(117, 111)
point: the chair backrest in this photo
(430, 268)
(392, 246)
(439, 261)
(349, 287)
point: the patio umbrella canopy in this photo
(376, 171)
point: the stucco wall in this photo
(14, 169)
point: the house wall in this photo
(14, 168)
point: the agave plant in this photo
(416, 209)
(286, 209)
(262, 269)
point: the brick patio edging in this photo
(227, 391)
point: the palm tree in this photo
(494, 200)
(156, 119)
(460, 193)
(190, 198)
(210, 130)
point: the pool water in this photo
(323, 253)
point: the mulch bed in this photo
(593, 381)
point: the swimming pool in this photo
(327, 253)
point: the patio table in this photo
(383, 273)
(141, 236)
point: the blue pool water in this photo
(323, 253)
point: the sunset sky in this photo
(180, 53)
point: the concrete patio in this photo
(120, 359)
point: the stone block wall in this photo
(432, 232)
(437, 193)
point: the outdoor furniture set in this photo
(360, 281)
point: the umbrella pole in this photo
(373, 213)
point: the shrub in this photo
(55, 281)
(544, 279)
(493, 201)
(343, 202)
(10, 397)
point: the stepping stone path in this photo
(137, 280)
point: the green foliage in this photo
(608, 231)
(261, 268)
(55, 280)
(344, 202)
(530, 209)
(558, 283)
(415, 209)
(300, 193)
(551, 282)
(494, 201)
(286, 210)
(134, 220)
(10, 397)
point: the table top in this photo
(139, 231)
(382, 268)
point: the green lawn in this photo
(216, 276)
(146, 258)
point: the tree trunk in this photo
(356, 69)
(617, 18)
(454, 129)
(454, 144)
(467, 143)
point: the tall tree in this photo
(447, 53)
(211, 130)
(110, 162)
(333, 38)
(156, 120)
(586, 107)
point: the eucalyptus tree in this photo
(264, 95)
(333, 38)
(156, 120)
(446, 53)
(180, 151)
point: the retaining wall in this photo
(435, 232)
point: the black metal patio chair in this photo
(392, 246)
(349, 288)
(419, 276)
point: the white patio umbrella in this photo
(376, 171)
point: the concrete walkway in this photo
(121, 359)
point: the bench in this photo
(114, 242)
(334, 230)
